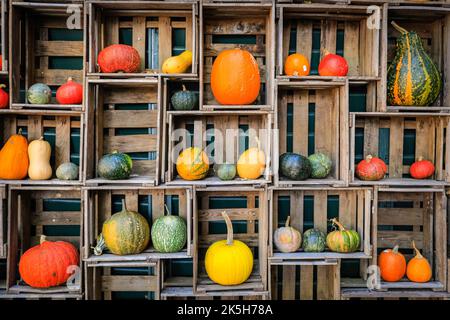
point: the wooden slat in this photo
(130, 118)
(130, 143)
(123, 95)
(59, 48)
(129, 283)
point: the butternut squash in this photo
(39, 152)
(178, 64)
(14, 158)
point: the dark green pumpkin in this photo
(413, 79)
(320, 165)
(185, 100)
(225, 171)
(314, 240)
(295, 166)
(115, 166)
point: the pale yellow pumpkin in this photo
(229, 262)
(251, 163)
(287, 238)
(39, 152)
(178, 64)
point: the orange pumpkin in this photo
(418, 269)
(296, 65)
(392, 265)
(193, 164)
(235, 77)
(14, 158)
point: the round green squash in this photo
(226, 171)
(185, 99)
(295, 166)
(169, 233)
(320, 165)
(125, 232)
(39, 93)
(67, 171)
(115, 166)
(314, 240)
(343, 240)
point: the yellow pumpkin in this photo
(39, 152)
(178, 64)
(251, 163)
(229, 262)
(192, 164)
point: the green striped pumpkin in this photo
(125, 232)
(192, 164)
(313, 240)
(342, 240)
(169, 233)
(412, 79)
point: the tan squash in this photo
(39, 152)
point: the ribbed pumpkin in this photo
(371, 169)
(235, 77)
(70, 92)
(287, 238)
(178, 64)
(192, 164)
(39, 153)
(4, 97)
(413, 79)
(418, 268)
(229, 262)
(421, 169)
(125, 232)
(14, 158)
(169, 233)
(392, 265)
(296, 65)
(119, 58)
(342, 240)
(48, 264)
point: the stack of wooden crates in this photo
(346, 118)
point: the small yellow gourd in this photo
(229, 262)
(251, 163)
(39, 152)
(178, 64)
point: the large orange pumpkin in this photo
(418, 269)
(192, 164)
(14, 158)
(392, 265)
(235, 77)
(47, 264)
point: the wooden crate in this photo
(3, 213)
(360, 44)
(140, 280)
(249, 215)
(327, 104)
(227, 133)
(404, 215)
(248, 26)
(124, 116)
(432, 24)
(37, 53)
(4, 23)
(400, 139)
(305, 282)
(151, 23)
(64, 130)
(313, 208)
(34, 211)
(101, 202)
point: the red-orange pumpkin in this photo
(70, 92)
(392, 265)
(235, 77)
(333, 65)
(296, 65)
(4, 97)
(119, 58)
(421, 169)
(371, 168)
(47, 264)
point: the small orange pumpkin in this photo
(392, 265)
(14, 158)
(296, 65)
(418, 269)
(192, 164)
(235, 77)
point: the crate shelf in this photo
(226, 133)
(34, 211)
(247, 207)
(3, 214)
(38, 53)
(151, 27)
(116, 109)
(399, 139)
(322, 109)
(361, 293)
(228, 26)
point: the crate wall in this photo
(3, 227)
(62, 129)
(322, 110)
(125, 117)
(227, 26)
(36, 211)
(45, 48)
(156, 29)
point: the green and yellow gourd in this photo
(413, 79)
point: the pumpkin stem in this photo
(69, 79)
(115, 151)
(41, 138)
(288, 220)
(395, 250)
(335, 222)
(184, 87)
(2, 86)
(124, 206)
(418, 254)
(325, 52)
(20, 131)
(42, 239)
(167, 210)
(369, 158)
(98, 249)
(229, 228)
(420, 158)
(398, 28)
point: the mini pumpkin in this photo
(4, 97)
(392, 265)
(296, 65)
(119, 58)
(421, 169)
(70, 92)
(333, 65)
(343, 240)
(418, 268)
(252, 163)
(287, 238)
(192, 164)
(371, 169)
